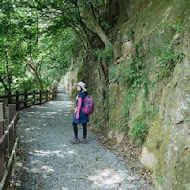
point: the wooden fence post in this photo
(46, 95)
(56, 91)
(8, 135)
(51, 94)
(2, 157)
(34, 97)
(2, 139)
(9, 98)
(2, 127)
(53, 91)
(40, 97)
(17, 100)
(25, 99)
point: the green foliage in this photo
(140, 126)
(31, 55)
(113, 72)
(139, 130)
(59, 54)
(165, 60)
(166, 57)
(130, 33)
(135, 75)
(107, 55)
(105, 25)
(151, 112)
(10, 47)
(24, 84)
(133, 72)
(178, 28)
(39, 40)
(160, 179)
(130, 98)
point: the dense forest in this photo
(36, 47)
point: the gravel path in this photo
(49, 162)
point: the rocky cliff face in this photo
(146, 96)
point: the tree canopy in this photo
(39, 38)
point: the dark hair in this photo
(85, 92)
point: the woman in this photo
(79, 116)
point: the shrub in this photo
(139, 130)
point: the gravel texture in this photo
(49, 161)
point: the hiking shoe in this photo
(84, 141)
(75, 141)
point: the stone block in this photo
(126, 48)
(2, 116)
(148, 159)
(11, 112)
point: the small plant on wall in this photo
(139, 130)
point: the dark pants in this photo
(75, 128)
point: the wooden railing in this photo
(27, 99)
(9, 104)
(8, 137)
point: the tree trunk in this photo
(8, 89)
(38, 80)
(81, 37)
(36, 76)
(88, 16)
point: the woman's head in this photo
(81, 87)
